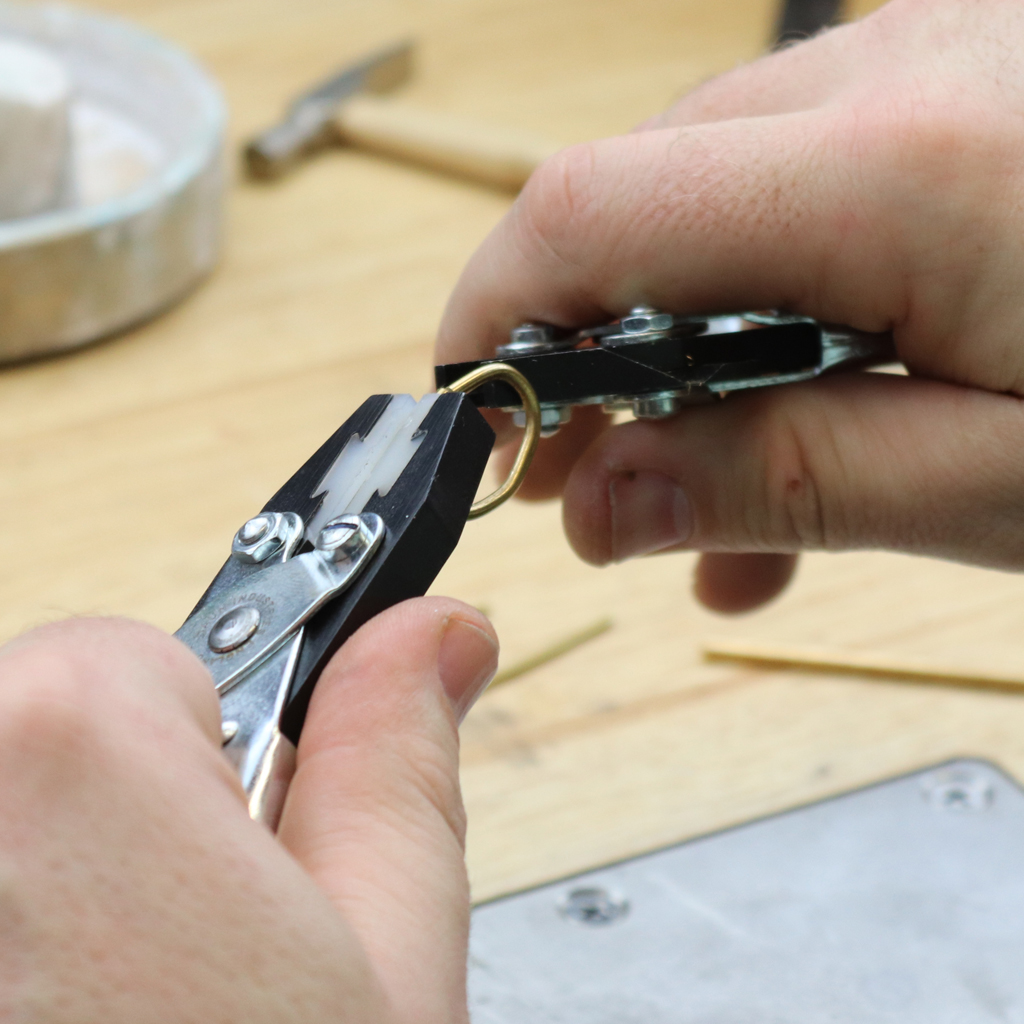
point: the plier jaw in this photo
(655, 363)
(368, 521)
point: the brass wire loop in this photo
(502, 371)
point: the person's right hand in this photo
(134, 887)
(873, 176)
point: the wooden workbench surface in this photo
(125, 468)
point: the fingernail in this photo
(650, 512)
(466, 660)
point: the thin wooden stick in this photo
(556, 650)
(868, 664)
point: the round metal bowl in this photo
(72, 275)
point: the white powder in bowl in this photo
(112, 155)
(58, 149)
(35, 94)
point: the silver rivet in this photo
(232, 629)
(228, 731)
(254, 529)
(593, 905)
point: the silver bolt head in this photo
(341, 537)
(645, 320)
(552, 417)
(532, 334)
(234, 628)
(254, 530)
(262, 536)
(228, 731)
(657, 407)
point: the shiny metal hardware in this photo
(592, 905)
(552, 417)
(898, 902)
(373, 515)
(267, 534)
(654, 363)
(657, 407)
(286, 594)
(961, 789)
(532, 339)
(532, 415)
(646, 320)
(250, 634)
(308, 124)
(234, 628)
(263, 756)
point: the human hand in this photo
(136, 889)
(873, 176)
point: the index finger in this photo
(742, 214)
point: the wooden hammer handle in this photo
(470, 149)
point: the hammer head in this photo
(308, 124)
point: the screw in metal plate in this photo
(959, 790)
(234, 628)
(593, 905)
(228, 731)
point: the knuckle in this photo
(556, 209)
(800, 514)
(54, 703)
(432, 775)
(914, 139)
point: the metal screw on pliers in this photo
(234, 628)
(266, 535)
(348, 536)
(254, 530)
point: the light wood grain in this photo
(864, 664)
(125, 469)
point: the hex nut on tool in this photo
(266, 535)
(644, 320)
(345, 537)
(255, 529)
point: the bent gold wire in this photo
(502, 371)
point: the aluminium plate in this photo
(902, 902)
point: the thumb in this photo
(374, 811)
(856, 461)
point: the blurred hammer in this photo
(347, 109)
